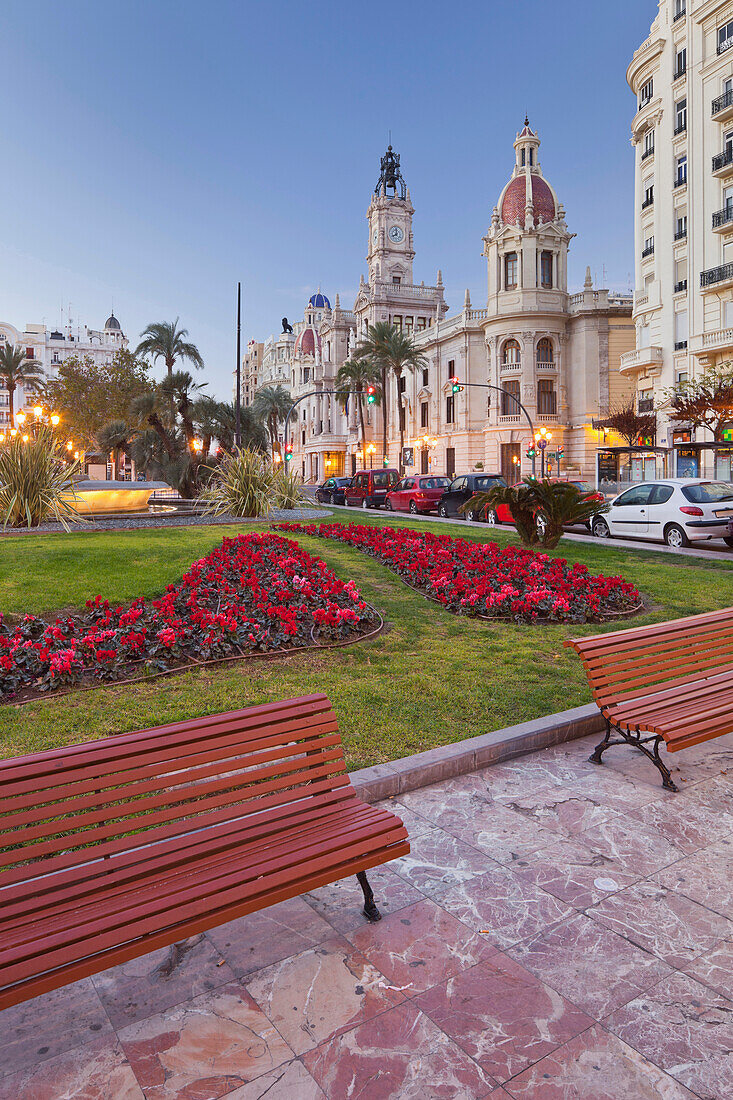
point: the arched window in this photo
(544, 351)
(511, 354)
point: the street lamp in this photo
(542, 438)
(371, 451)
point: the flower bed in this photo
(483, 579)
(256, 593)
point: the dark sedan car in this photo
(332, 490)
(462, 488)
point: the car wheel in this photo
(331, 498)
(364, 503)
(675, 537)
(388, 505)
(601, 529)
(443, 511)
(471, 515)
(491, 517)
(413, 507)
(541, 525)
(728, 540)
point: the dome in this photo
(514, 200)
(306, 342)
(319, 301)
(112, 324)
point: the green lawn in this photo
(432, 678)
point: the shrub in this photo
(247, 484)
(541, 508)
(35, 482)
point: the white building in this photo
(682, 131)
(50, 347)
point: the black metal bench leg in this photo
(667, 782)
(370, 910)
(596, 756)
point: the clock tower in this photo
(390, 213)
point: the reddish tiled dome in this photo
(306, 342)
(515, 200)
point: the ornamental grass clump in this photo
(36, 482)
(247, 484)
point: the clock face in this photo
(396, 234)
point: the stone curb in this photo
(388, 780)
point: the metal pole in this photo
(238, 399)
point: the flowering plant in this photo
(256, 593)
(481, 578)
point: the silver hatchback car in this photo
(675, 510)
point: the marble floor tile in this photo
(259, 939)
(319, 992)
(291, 1081)
(684, 822)
(590, 965)
(420, 946)
(564, 811)
(717, 795)
(686, 1029)
(706, 877)
(205, 1047)
(502, 1016)
(97, 1071)
(494, 828)
(640, 848)
(571, 871)
(668, 924)
(503, 907)
(715, 968)
(154, 982)
(415, 823)
(341, 903)
(430, 801)
(399, 1055)
(439, 860)
(709, 759)
(50, 1024)
(596, 1066)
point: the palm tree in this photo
(272, 404)
(178, 387)
(165, 340)
(352, 380)
(116, 437)
(390, 351)
(217, 420)
(16, 370)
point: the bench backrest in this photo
(628, 664)
(64, 807)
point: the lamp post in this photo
(238, 401)
(542, 438)
(371, 450)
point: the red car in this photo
(369, 488)
(417, 493)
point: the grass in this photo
(433, 678)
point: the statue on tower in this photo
(287, 327)
(390, 175)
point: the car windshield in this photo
(486, 483)
(434, 482)
(708, 492)
(384, 479)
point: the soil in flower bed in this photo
(254, 594)
(511, 583)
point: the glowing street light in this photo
(55, 418)
(37, 411)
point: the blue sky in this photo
(157, 152)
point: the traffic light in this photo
(371, 395)
(560, 452)
(531, 452)
(454, 382)
(288, 452)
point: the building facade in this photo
(682, 132)
(533, 354)
(50, 347)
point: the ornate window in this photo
(509, 406)
(544, 351)
(511, 270)
(546, 397)
(546, 269)
(511, 354)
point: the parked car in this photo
(583, 487)
(677, 511)
(369, 488)
(332, 490)
(417, 493)
(463, 487)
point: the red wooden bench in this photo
(113, 848)
(668, 683)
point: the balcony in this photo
(680, 128)
(680, 286)
(647, 153)
(507, 368)
(723, 164)
(711, 343)
(679, 74)
(645, 405)
(722, 107)
(680, 181)
(680, 345)
(681, 234)
(642, 359)
(725, 45)
(513, 419)
(680, 14)
(723, 219)
(717, 277)
(541, 365)
(648, 251)
(647, 202)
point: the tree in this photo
(352, 380)
(630, 424)
(217, 420)
(116, 438)
(88, 395)
(179, 387)
(540, 508)
(165, 340)
(272, 404)
(705, 401)
(16, 370)
(390, 351)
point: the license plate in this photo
(724, 513)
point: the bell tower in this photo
(391, 250)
